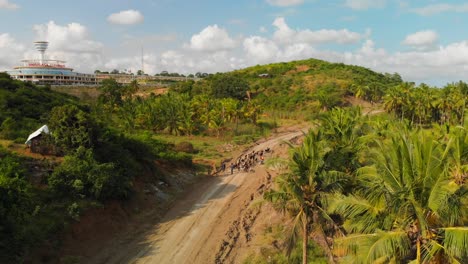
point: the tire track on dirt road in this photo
(194, 230)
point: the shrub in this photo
(186, 147)
(82, 176)
(71, 127)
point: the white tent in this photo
(43, 129)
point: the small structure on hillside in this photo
(264, 75)
(35, 139)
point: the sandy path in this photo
(198, 228)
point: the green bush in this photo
(80, 175)
(71, 127)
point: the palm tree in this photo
(399, 100)
(457, 153)
(302, 192)
(343, 130)
(408, 208)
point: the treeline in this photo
(163, 73)
(375, 190)
(425, 105)
(221, 107)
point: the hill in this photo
(308, 83)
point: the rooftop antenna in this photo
(41, 46)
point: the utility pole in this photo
(142, 61)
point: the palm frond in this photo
(370, 248)
(294, 233)
(456, 241)
(361, 214)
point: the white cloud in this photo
(284, 34)
(433, 9)
(73, 37)
(364, 4)
(127, 17)
(285, 2)
(260, 50)
(263, 29)
(8, 5)
(10, 51)
(70, 42)
(422, 39)
(212, 38)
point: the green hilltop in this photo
(312, 82)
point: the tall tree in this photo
(111, 93)
(302, 192)
(71, 127)
(229, 85)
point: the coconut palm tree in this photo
(457, 153)
(343, 128)
(302, 192)
(408, 209)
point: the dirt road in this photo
(205, 226)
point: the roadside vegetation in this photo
(368, 189)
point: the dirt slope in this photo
(208, 226)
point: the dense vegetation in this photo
(378, 190)
(38, 198)
(425, 105)
(313, 84)
(24, 107)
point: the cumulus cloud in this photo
(181, 61)
(8, 5)
(212, 38)
(284, 34)
(127, 17)
(70, 42)
(260, 50)
(448, 63)
(364, 4)
(422, 39)
(285, 2)
(433, 9)
(10, 51)
(72, 37)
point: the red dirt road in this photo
(205, 226)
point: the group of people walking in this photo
(246, 162)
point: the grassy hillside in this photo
(311, 83)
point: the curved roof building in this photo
(53, 72)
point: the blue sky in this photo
(424, 41)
